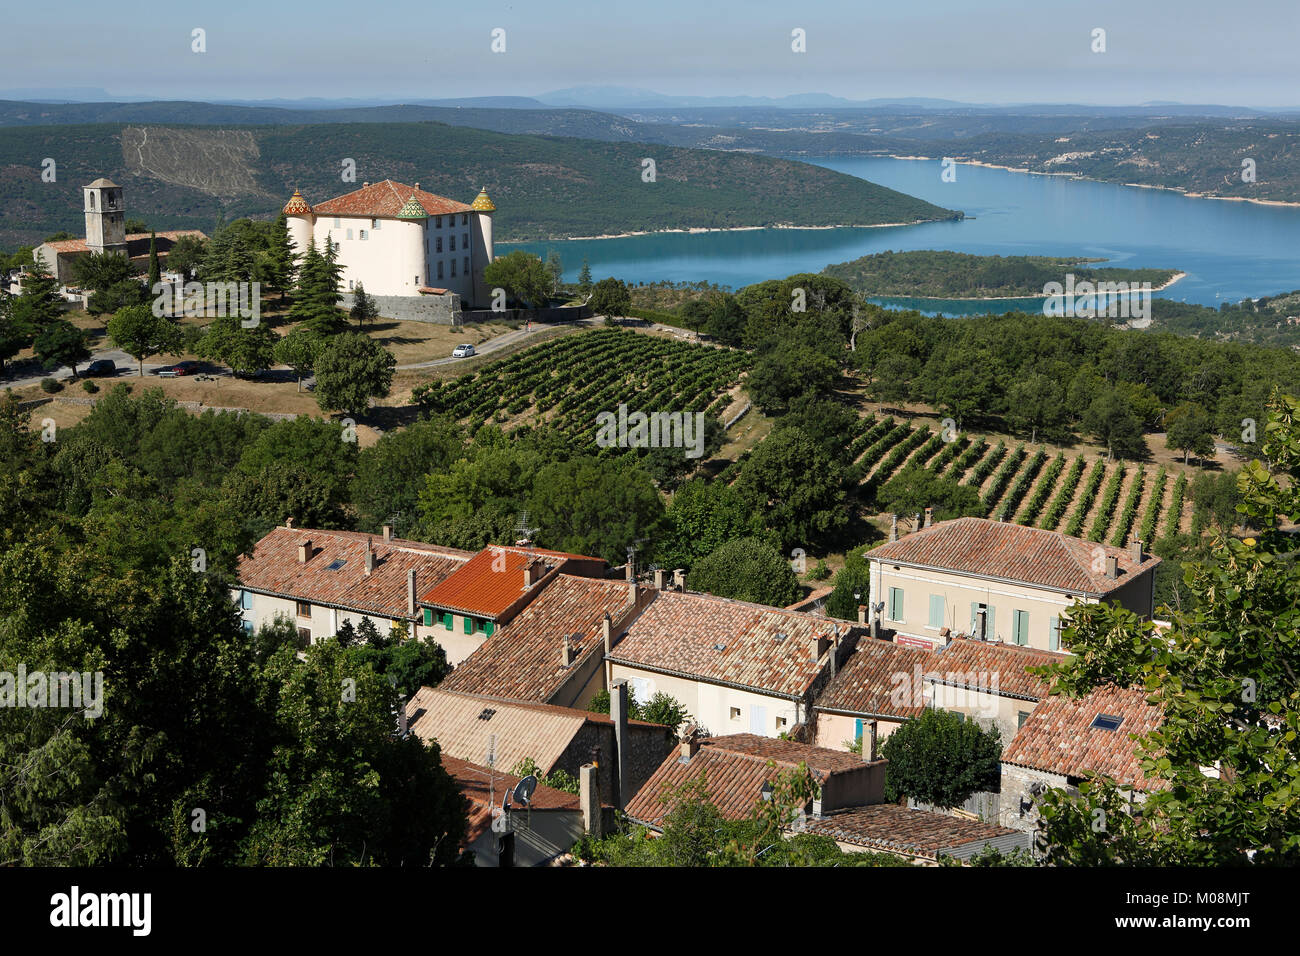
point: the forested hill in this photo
(960, 275)
(544, 187)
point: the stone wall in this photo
(434, 309)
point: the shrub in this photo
(50, 385)
(89, 387)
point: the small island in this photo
(957, 275)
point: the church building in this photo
(105, 232)
(402, 243)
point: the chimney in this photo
(679, 579)
(417, 185)
(410, 592)
(364, 185)
(388, 533)
(589, 797)
(304, 551)
(1138, 556)
(1112, 566)
(566, 653)
(370, 554)
(929, 516)
(607, 632)
(530, 577)
(288, 523)
(835, 653)
(869, 740)
(862, 614)
(631, 592)
(618, 712)
(661, 577)
(916, 521)
(690, 744)
(893, 527)
(403, 722)
(629, 569)
(819, 645)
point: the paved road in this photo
(127, 367)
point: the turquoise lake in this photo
(1229, 250)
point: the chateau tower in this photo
(482, 246)
(410, 256)
(300, 221)
(105, 217)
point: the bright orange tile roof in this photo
(493, 580)
(386, 199)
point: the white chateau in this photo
(400, 241)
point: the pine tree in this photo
(363, 307)
(39, 304)
(584, 277)
(155, 272)
(316, 295)
(281, 257)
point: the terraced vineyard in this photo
(1111, 503)
(569, 380)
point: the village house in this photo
(874, 693)
(738, 771)
(1065, 739)
(501, 733)
(995, 580)
(466, 607)
(320, 580)
(733, 665)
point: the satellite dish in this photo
(524, 789)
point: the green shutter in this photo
(993, 631)
(1021, 625)
(428, 617)
(469, 624)
(446, 620)
(895, 604)
(936, 610)
(488, 628)
(1054, 635)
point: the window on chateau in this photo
(467, 265)
(374, 223)
(464, 219)
(363, 234)
(349, 285)
(349, 234)
(452, 240)
(437, 222)
(437, 246)
(464, 241)
(337, 222)
(439, 270)
(453, 268)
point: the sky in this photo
(986, 51)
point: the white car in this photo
(462, 351)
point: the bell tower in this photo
(105, 217)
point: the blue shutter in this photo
(1054, 635)
(246, 600)
(936, 610)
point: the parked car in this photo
(180, 368)
(103, 368)
(462, 351)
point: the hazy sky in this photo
(1194, 51)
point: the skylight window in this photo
(487, 713)
(1107, 722)
(336, 564)
(719, 647)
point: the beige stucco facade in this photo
(719, 710)
(955, 597)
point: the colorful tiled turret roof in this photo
(482, 203)
(297, 206)
(412, 210)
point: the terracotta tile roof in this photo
(493, 580)
(813, 602)
(1012, 552)
(713, 639)
(735, 768)
(273, 568)
(1059, 737)
(137, 242)
(1009, 662)
(485, 789)
(386, 199)
(879, 680)
(893, 828)
(463, 726)
(430, 290)
(522, 659)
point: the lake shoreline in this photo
(997, 298)
(696, 230)
(1090, 179)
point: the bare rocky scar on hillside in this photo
(219, 162)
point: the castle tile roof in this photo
(386, 200)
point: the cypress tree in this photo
(155, 273)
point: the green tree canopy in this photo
(351, 369)
(746, 569)
(940, 759)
